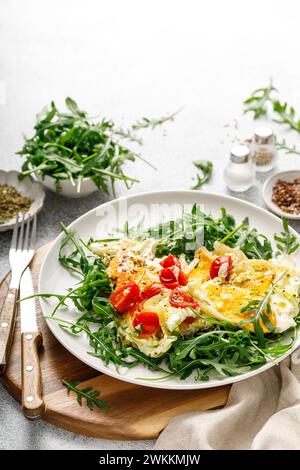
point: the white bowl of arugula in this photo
(74, 156)
(68, 188)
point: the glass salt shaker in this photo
(263, 149)
(239, 173)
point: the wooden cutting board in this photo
(135, 412)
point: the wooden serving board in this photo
(135, 412)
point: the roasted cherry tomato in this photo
(152, 290)
(146, 323)
(221, 267)
(180, 299)
(125, 297)
(173, 277)
(169, 277)
(169, 261)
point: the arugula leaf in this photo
(260, 313)
(145, 122)
(206, 168)
(286, 148)
(195, 229)
(286, 242)
(256, 245)
(286, 114)
(257, 103)
(282, 111)
(88, 393)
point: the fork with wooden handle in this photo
(20, 254)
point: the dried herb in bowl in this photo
(12, 202)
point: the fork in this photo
(20, 254)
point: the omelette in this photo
(159, 299)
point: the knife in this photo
(31, 339)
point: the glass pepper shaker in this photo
(263, 149)
(239, 173)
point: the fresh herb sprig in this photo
(286, 148)
(286, 242)
(259, 100)
(260, 312)
(87, 393)
(283, 113)
(152, 123)
(286, 114)
(206, 169)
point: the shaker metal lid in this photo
(240, 154)
(263, 135)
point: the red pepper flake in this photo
(286, 195)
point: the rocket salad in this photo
(146, 297)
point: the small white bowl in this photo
(268, 187)
(27, 187)
(87, 186)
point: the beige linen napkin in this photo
(262, 413)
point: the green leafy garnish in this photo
(206, 168)
(286, 242)
(283, 113)
(286, 115)
(196, 228)
(88, 393)
(258, 101)
(260, 311)
(286, 148)
(152, 123)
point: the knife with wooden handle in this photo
(31, 340)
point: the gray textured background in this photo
(126, 59)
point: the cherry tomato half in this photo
(169, 277)
(180, 299)
(222, 267)
(148, 322)
(152, 290)
(169, 261)
(183, 278)
(125, 297)
(173, 277)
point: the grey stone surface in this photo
(125, 60)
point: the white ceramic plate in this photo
(268, 187)
(53, 278)
(27, 187)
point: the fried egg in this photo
(130, 260)
(251, 281)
